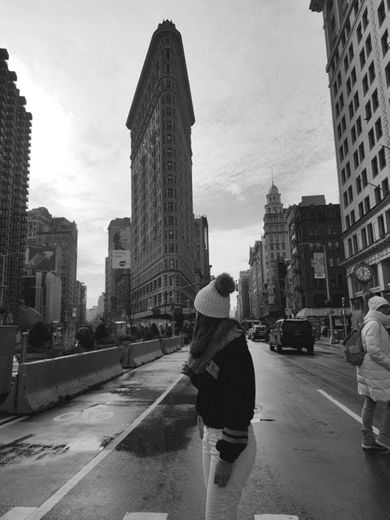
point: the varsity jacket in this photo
(226, 396)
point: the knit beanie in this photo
(214, 300)
(377, 301)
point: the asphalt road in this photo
(131, 448)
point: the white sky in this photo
(260, 96)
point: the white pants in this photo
(222, 502)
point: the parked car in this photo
(259, 332)
(290, 333)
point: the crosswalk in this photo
(23, 513)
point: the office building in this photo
(201, 253)
(243, 305)
(256, 283)
(275, 246)
(118, 277)
(317, 255)
(63, 233)
(15, 134)
(160, 120)
(358, 67)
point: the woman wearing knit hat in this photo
(373, 375)
(221, 368)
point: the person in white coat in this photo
(373, 375)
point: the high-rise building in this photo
(63, 233)
(358, 66)
(118, 281)
(317, 255)
(256, 282)
(275, 246)
(201, 252)
(38, 219)
(81, 303)
(15, 133)
(160, 120)
(243, 305)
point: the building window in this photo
(378, 128)
(365, 84)
(368, 45)
(381, 226)
(362, 57)
(359, 32)
(356, 159)
(358, 184)
(382, 158)
(364, 178)
(381, 13)
(371, 72)
(368, 111)
(361, 210)
(374, 166)
(353, 134)
(371, 138)
(361, 152)
(353, 76)
(375, 100)
(364, 237)
(367, 204)
(356, 101)
(365, 19)
(370, 234)
(385, 43)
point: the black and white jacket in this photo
(226, 396)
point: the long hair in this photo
(207, 330)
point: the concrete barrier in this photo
(169, 345)
(137, 354)
(42, 384)
(7, 350)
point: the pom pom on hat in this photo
(376, 302)
(213, 300)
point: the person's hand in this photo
(200, 426)
(185, 369)
(223, 472)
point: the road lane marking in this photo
(10, 421)
(276, 517)
(18, 513)
(344, 408)
(145, 516)
(46, 506)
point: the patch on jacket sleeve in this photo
(212, 369)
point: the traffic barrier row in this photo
(42, 384)
(137, 354)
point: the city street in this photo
(132, 447)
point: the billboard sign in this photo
(121, 259)
(319, 265)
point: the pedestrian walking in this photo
(373, 375)
(221, 368)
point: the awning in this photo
(322, 311)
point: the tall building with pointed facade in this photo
(276, 247)
(15, 135)
(357, 38)
(160, 120)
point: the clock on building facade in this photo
(363, 272)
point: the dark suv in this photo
(259, 332)
(292, 334)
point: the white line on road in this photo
(12, 420)
(276, 517)
(44, 508)
(344, 408)
(145, 516)
(18, 513)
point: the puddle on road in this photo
(164, 431)
(16, 451)
(167, 428)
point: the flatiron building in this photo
(160, 120)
